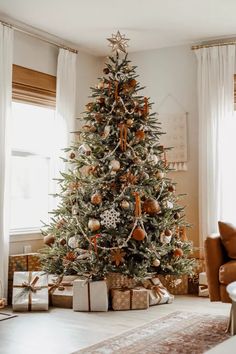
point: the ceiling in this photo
(149, 24)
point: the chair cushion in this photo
(228, 238)
(227, 272)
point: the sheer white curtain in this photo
(217, 137)
(6, 49)
(65, 109)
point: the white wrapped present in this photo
(90, 295)
(203, 285)
(158, 294)
(30, 291)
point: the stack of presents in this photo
(32, 289)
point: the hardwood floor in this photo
(62, 331)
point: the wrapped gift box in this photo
(30, 291)
(23, 262)
(61, 290)
(118, 280)
(203, 285)
(158, 294)
(90, 295)
(126, 299)
(175, 284)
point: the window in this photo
(32, 149)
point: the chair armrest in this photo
(215, 257)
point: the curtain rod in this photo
(43, 39)
(219, 44)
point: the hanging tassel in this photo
(123, 136)
(137, 209)
(94, 242)
(116, 90)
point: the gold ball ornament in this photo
(140, 135)
(49, 239)
(106, 71)
(94, 224)
(171, 188)
(139, 234)
(115, 165)
(178, 252)
(129, 122)
(160, 175)
(72, 155)
(62, 242)
(151, 206)
(177, 216)
(168, 232)
(156, 263)
(124, 204)
(96, 199)
(98, 117)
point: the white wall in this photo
(38, 55)
(173, 71)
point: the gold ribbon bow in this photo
(159, 289)
(60, 284)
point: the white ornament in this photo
(73, 242)
(165, 239)
(153, 159)
(115, 165)
(156, 262)
(109, 218)
(169, 204)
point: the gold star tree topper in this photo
(118, 42)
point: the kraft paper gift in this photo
(126, 299)
(61, 290)
(90, 295)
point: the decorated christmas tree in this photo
(118, 209)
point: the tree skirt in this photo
(177, 333)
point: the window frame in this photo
(35, 88)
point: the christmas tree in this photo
(118, 209)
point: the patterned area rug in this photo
(177, 333)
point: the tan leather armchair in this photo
(220, 269)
